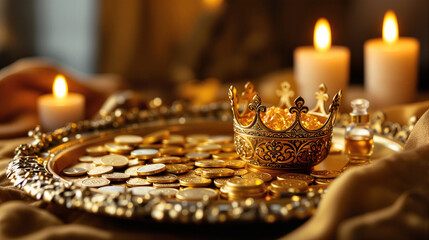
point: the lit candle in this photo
(391, 66)
(213, 5)
(322, 63)
(61, 107)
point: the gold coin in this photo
(140, 191)
(229, 147)
(210, 148)
(166, 185)
(210, 163)
(149, 146)
(219, 182)
(324, 180)
(298, 176)
(128, 140)
(190, 146)
(217, 172)
(116, 176)
(226, 156)
(266, 177)
(95, 182)
(172, 151)
(280, 185)
(86, 159)
(197, 138)
(241, 196)
(174, 139)
(145, 154)
(156, 136)
(190, 173)
(116, 161)
(198, 171)
(176, 168)
(118, 149)
(164, 192)
(195, 181)
(100, 170)
(223, 192)
(150, 169)
(136, 182)
(245, 183)
(245, 191)
(132, 171)
(325, 173)
(97, 161)
(75, 171)
(197, 194)
(96, 151)
(219, 139)
(318, 188)
(240, 172)
(190, 165)
(287, 192)
(232, 163)
(188, 150)
(167, 160)
(194, 156)
(184, 160)
(112, 189)
(135, 162)
(162, 178)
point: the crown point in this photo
(299, 101)
(322, 88)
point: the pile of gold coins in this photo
(193, 167)
(279, 119)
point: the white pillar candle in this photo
(321, 64)
(58, 109)
(391, 66)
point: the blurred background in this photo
(159, 45)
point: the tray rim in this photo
(43, 184)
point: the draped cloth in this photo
(388, 199)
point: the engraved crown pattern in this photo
(296, 147)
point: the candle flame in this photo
(390, 27)
(322, 35)
(213, 4)
(59, 88)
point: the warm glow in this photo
(213, 4)
(60, 87)
(390, 27)
(322, 35)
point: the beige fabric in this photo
(388, 199)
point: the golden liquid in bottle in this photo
(358, 149)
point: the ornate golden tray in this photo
(36, 168)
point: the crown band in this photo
(295, 148)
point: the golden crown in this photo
(295, 148)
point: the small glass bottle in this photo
(359, 141)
